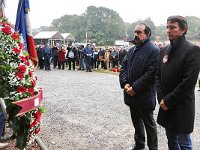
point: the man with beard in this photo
(176, 79)
(137, 78)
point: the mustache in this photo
(136, 38)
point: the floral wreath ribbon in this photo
(29, 104)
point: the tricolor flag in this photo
(23, 26)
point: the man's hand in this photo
(129, 90)
(126, 87)
(163, 106)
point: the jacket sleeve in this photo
(148, 78)
(160, 94)
(191, 71)
(123, 76)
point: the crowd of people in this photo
(80, 57)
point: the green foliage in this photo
(194, 28)
(71, 24)
(21, 131)
(104, 26)
(160, 33)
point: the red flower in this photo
(6, 30)
(30, 73)
(33, 83)
(16, 50)
(4, 24)
(27, 57)
(15, 36)
(21, 45)
(31, 90)
(22, 68)
(33, 124)
(38, 116)
(37, 131)
(21, 89)
(20, 75)
(23, 59)
(27, 63)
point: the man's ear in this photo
(183, 31)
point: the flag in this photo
(23, 26)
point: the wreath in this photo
(18, 82)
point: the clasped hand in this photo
(129, 90)
(163, 105)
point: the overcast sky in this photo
(44, 11)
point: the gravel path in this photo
(86, 111)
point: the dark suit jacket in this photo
(138, 69)
(176, 80)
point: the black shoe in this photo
(134, 147)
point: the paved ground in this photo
(85, 111)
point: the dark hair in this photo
(182, 22)
(147, 29)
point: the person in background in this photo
(55, 50)
(40, 57)
(88, 55)
(47, 56)
(95, 59)
(115, 56)
(106, 59)
(137, 79)
(61, 58)
(101, 58)
(176, 78)
(81, 58)
(122, 54)
(71, 56)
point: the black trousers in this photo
(41, 63)
(61, 64)
(143, 120)
(55, 61)
(71, 60)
